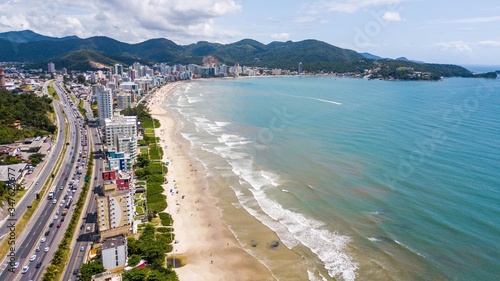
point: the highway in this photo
(38, 226)
(85, 237)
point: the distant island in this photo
(317, 57)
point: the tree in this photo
(134, 259)
(91, 268)
(81, 79)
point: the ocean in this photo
(325, 178)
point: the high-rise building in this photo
(121, 135)
(104, 102)
(51, 67)
(300, 68)
(2, 78)
(114, 208)
(118, 69)
(124, 100)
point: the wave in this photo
(310, 98)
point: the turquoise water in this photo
(366, 180)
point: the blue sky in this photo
(442, 31)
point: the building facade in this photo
(121, 135)
(114, 208)
(114, 252)
(104, 102)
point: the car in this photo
(75, 272)
(25, 269)
(46, 249)
(54, 201)
(58, 225)
(39, 264)
(63, 201)
(36, 183)
(37, 249)
(88, 228)
(47, 233)
(82, 248)
(61, 187)
(16, 264)
(43, 239)
(51, 224)
(56, 217)
(57, 212)
(62, 219)
(33, 257)
(62, 204)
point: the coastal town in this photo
(119, 178)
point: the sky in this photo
(439, 31)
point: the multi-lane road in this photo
(30, 251)
(86, 231)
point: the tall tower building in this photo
(2, 78)
(300, 68)
(51, 67)
(114, 208)
(104, 102)
(118, 69)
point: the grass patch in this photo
(166, 218)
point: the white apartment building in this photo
(115, 209)
(104, 102)
(124, 100)
(114, 252)
(121, 135)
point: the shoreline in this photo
(202, 239)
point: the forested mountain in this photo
(97, 52)
(30, 110)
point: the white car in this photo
(43, 239)
(54, 201)
(16, 264)
(56, 217)
(46, 249)
(33, 257)
(25, 269)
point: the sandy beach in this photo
(203, 240)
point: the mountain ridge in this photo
(28, 46)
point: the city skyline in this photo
(418, 30)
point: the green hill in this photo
(95, 52)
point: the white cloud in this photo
(125, 20)
(391, 16)
(280, 36)
(469, 20)
(349, 6)
(490, 43)
(455, 46)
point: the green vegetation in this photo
(133, 260)
(36, 158)
(52, 91)
(31, 110)
(9, 160)
(408, 70)
(166, 219)
(91, 268)
(149, 167)
(152, 246)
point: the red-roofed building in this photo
(109, 175)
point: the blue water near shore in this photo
(369, 180)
